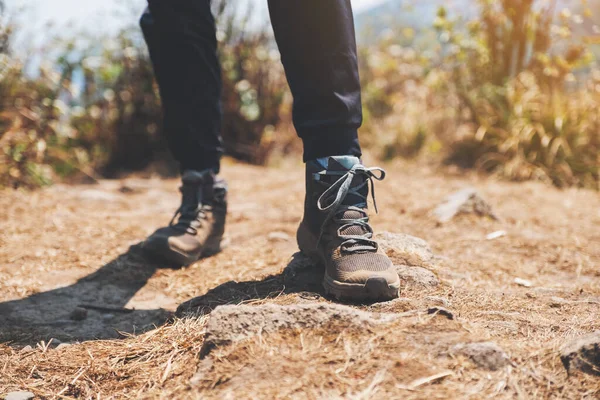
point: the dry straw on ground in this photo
(52, 239)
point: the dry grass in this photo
(52, 238)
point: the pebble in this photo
(79, 314)
(523, 282)
(19, 396)
(278, 237)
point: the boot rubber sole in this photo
(374, 289)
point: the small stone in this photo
(26, 349)
(486, 355)
(495, 235)
(278, 237)
(557, 302)
(128, 189)
(19, 396)
(62, 346)
(466, 201)
(79, 314)
(583, 354)
(417, 275)
(523, 282)
(441, 311)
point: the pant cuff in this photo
(331, 143)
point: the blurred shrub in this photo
(254, 85)
(510, 92)
(405, 112)
(514, 72)
(89, 107)
(117, 113)
(34, 131)
(94, 110)
(525, 133)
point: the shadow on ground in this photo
(91, 308)
(299, 276)
(104, 294)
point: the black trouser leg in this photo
(183, 47)
(317, 43)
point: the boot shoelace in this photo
(192, 212)
(338, 192)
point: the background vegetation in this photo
(513, 91)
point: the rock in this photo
(486, 355)
(79, 314)
(19, 396)
(417, 275)
(405, 249)
(278, 237)
(62, 346)
(441, 311)
(557, 302)
(523, 282)
(26, 349)
(233, 323)
(495, 235)
(583, 354)
(129, 189)
(466, 201)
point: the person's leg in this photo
(182, 42)
(318, 50)
(183, 47)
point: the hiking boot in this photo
(196, 230)
(335, 231)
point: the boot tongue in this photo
(339, 165)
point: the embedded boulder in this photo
(583, 354)
(411, 256)
(405, 249)
(466, 201)
(233, 323)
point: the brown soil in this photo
(77, 246)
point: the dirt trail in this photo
(71, 247)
